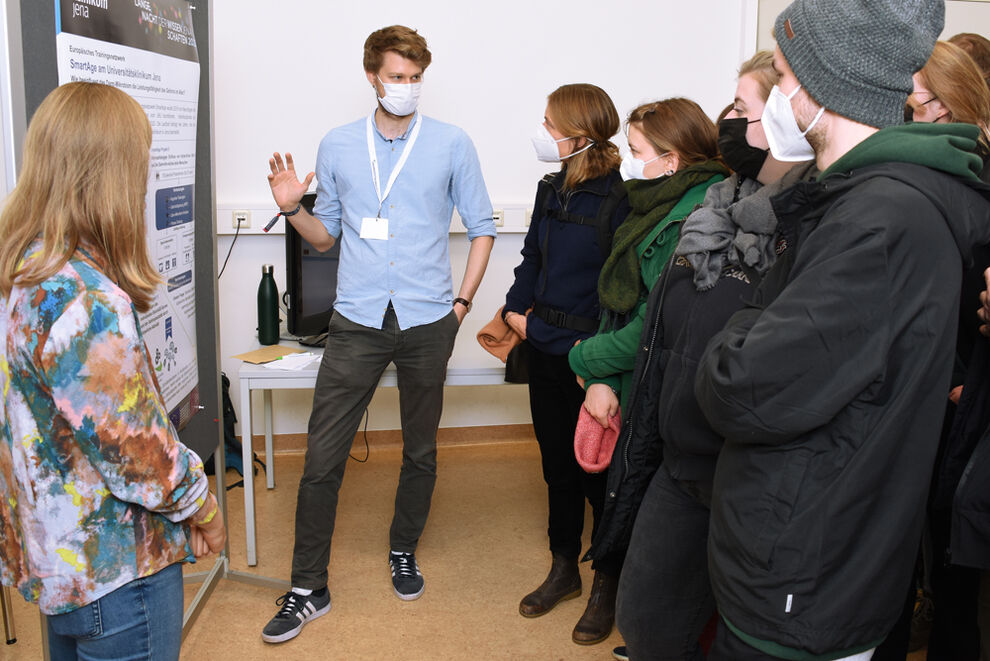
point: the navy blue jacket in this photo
(561, 262)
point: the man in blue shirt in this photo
(387, 187)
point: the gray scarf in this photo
(723, 233)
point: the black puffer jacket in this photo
(638, 450)
(830, 389)
(663, 396)
(663, 422)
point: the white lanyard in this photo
(373, 156)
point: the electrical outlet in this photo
(498, 215)
(528, 216)
(242, 218)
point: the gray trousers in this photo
(353, 362)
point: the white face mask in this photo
(400, 99)
(787, 141)
(546, 146)
(632, 168)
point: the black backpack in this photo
(232, 447)
(602, 221)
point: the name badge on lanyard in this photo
(377, 228)
(374, 228)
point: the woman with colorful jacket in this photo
(673, 160)
(101, 501)
(553, 303)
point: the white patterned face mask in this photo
(546, 146)
(632, 167)
(786, 139)
(400, 99)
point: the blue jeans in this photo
(139, 620)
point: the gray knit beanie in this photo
(856, 57)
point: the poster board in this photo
(149, 51)
(39, 27)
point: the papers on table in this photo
(296, 361)
(266, 354)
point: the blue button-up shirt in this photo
(412, 268)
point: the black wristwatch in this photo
(463, 301)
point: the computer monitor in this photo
(310, 281)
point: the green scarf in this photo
(620, 283)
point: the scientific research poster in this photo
(147, 49)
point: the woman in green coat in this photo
(673, 160)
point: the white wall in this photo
(284, 77)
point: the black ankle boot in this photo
(596, 623)
(563, 582)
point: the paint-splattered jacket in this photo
(94, 481)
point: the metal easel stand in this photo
(221, 567)
(8, 616)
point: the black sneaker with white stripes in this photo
(407, 581)
(296, 610)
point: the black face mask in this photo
(737, 153)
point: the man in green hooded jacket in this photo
(830, 387)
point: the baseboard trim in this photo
(446, 437)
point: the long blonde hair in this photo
(953, 77)
(581, 110)
(83, 182)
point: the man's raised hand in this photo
(286, 187)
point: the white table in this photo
(257, 377)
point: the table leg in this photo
(269, 460)
(247, 454)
